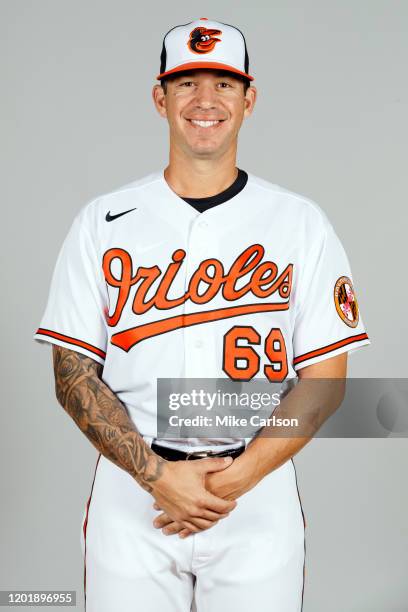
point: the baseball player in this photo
(198, 270)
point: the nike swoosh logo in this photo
(110, 217)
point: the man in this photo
(198, 271)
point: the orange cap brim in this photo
(208, 65)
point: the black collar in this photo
(202, 204)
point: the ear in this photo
(159, 99)
(249, 101)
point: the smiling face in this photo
(205, 109)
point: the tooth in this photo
(204, 123)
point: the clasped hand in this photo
(195, 495)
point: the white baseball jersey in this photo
(256, 287)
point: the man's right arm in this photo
(101, 416)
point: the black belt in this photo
(171, 454)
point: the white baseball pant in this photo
(251, 560)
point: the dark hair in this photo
(163, 82)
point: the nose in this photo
(205, 97)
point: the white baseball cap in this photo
(204, 44)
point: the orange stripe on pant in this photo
(86, 523)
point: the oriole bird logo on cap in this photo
(203, 40)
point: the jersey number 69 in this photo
(242, 362)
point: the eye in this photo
(224, 84)
(203, 38)
(186, 83)
(207, 37)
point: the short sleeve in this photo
(74, 313)
(328, 319)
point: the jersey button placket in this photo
(195, 335)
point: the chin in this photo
(199, 150)
(205, 148)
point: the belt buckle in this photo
(199, 454)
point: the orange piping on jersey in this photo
(129, 337)
(329, 348)
(70, 340)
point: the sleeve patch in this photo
(346, 301)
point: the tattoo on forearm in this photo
(102, 417)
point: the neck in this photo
(200, 178)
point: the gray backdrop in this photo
(77, 120)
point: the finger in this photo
(212, 516)
(184, 533)
(198, 524)
(173, 528)
(212, 464)
(217, 504)
(156, 506)
(188, 527)
(162, 521)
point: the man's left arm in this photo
(311, 403)
(317, 395)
